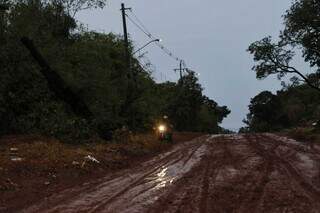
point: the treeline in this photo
(297, 104)
(93, 65)
(293, 106)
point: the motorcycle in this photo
(164, 133)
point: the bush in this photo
(304, 134)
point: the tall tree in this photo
(266, 113)
(187, 102)
(302, 30)
(92, 66)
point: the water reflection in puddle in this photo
(135, 192)
(168, 174)
(163, 178)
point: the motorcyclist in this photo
(165, 129)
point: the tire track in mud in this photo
(215, 162)
(242, 191)
(222, 161)
(94, 199)
(192, 193)
(293, 180)
(294, 172)
(137, 182)
(103, 182)
(296, 177)
(267, 166)
(205, 189)
(211, 169)
(168, 161)
(237, 173)
(249, 189)
(194, 186)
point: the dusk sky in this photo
(210, 35)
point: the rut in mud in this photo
(235, 173)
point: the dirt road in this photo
(235, 173)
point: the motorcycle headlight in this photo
(162, 128)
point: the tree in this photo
(266, 113)
(92, 65)
(302, 30)
(210, 116)
(190, 110)
(301, 104)
(292, 106)
(187, 102)
(28, 106)
(70, 7)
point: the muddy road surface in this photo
(235, 173)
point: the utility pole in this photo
(180, 69)
(126, 41)
(127, 107)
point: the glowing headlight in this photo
(162, 128)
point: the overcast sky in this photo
(210, 35)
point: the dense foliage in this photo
(293, 106)
(297, 104)
(302, 31)
(93, 65)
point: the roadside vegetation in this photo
(296, 107)
(93, 66)
(25, 156)
(105, 121)
(34, 167)
(304, 134)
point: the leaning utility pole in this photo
(57, 84)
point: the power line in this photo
(144, 29)
(140, 22)
(138, 26)
(147, 66)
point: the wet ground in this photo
(235, 173)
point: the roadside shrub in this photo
(303, 134)
(122, 136)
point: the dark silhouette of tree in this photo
(266, 113)
(89, 76)
(302, 30)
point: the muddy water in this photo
(219, 173)
(131, 190)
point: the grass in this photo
(42, 155)
(50, 166)
(304, 134)
(59, 164)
